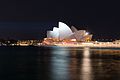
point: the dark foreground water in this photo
(55, 63)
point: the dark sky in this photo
(30, 19)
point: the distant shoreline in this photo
(60, 45)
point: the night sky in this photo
(30, 19)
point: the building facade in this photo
(64, 32)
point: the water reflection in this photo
(86, 69)
(75, 64)
(59, 64)
(71, 64)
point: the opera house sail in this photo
(64, 32)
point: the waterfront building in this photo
(63, 32)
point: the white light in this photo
(86, 33)
(73, 39)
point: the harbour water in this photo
(59, 63)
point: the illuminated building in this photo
(63, 32)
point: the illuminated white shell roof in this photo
(55, 32)
(64, 31)
(73, 29)
(49, 34)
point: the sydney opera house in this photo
(65, 33)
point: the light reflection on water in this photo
(82, 64)
(59, 63)
(86, 69)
